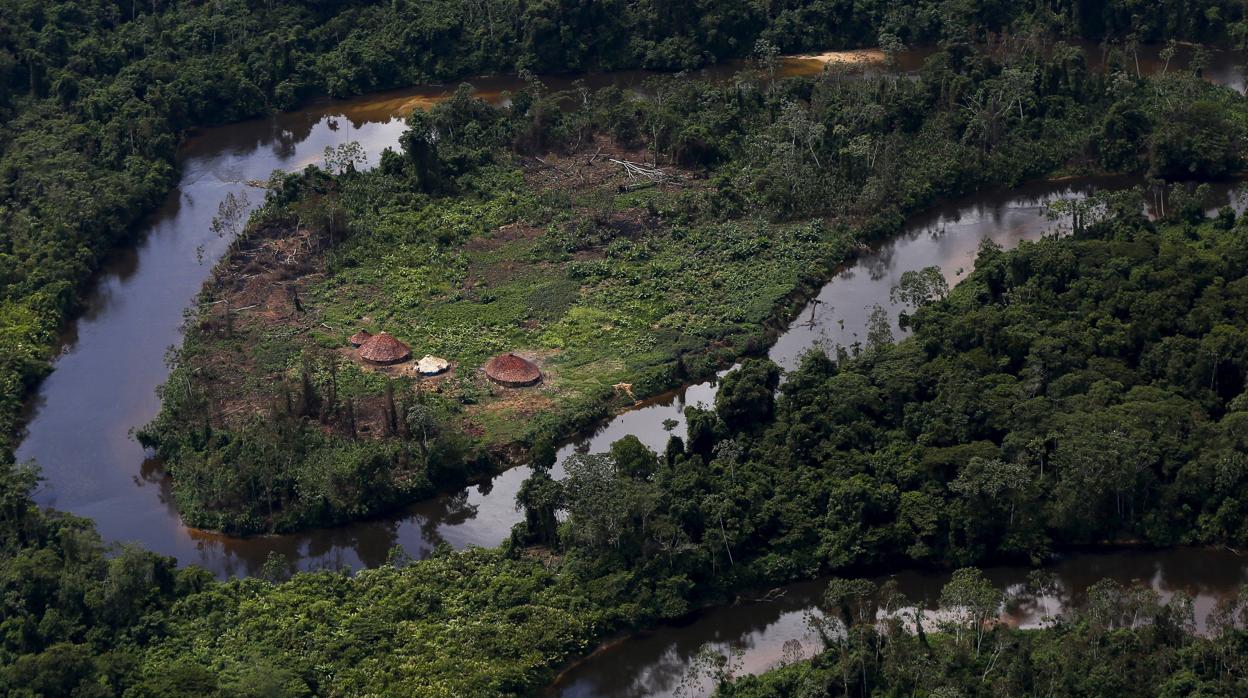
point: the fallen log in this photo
(639, 171)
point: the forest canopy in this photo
(1078, 390)
(1085, 389)
(890, 457)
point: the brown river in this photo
(104, 384)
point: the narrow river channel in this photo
(657, 662)
(104, 383)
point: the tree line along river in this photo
(104, 383)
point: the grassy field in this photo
(598, 286)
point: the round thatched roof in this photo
(383, 348)
(432, 365)
(359, 338)
(511, 370)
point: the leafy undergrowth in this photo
(468, 624)
(597, 287)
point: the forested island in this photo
(1086, 389)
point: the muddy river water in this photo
(104, 385)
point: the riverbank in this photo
(89, 460)
(1076, 389)
(615, 292)
(515, 615)
(93, 468)
(1128, 641)
(872, 485)
(146, 298)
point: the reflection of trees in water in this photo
(1041, 596)
(285, 144)
(152, 472)
(879, 262)
(371, 543)
(656, 663)
(359, 123)
(883, 259)
(1200, 572)
(658, 678)
(122, 265)
(366, 544)
(300, 126)
(450, 510)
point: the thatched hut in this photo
(512, 371)
(383, 348)
(358, 339)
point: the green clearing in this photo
(599, 289)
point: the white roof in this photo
(432, 365)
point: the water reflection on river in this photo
(654, 663)
(104, 382)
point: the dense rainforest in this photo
(1087, 388)
(884, 456)
(512, 229)
(1081, 389)
(95, 95)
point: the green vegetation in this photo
(1125, 642)
(1082, 389)
(855, 463)
(511, 228)
(81, 620)
(1078, 390)
(600, 286)
(95, 95)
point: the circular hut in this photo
(512, 371)
(358, 339)
(383, 348)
